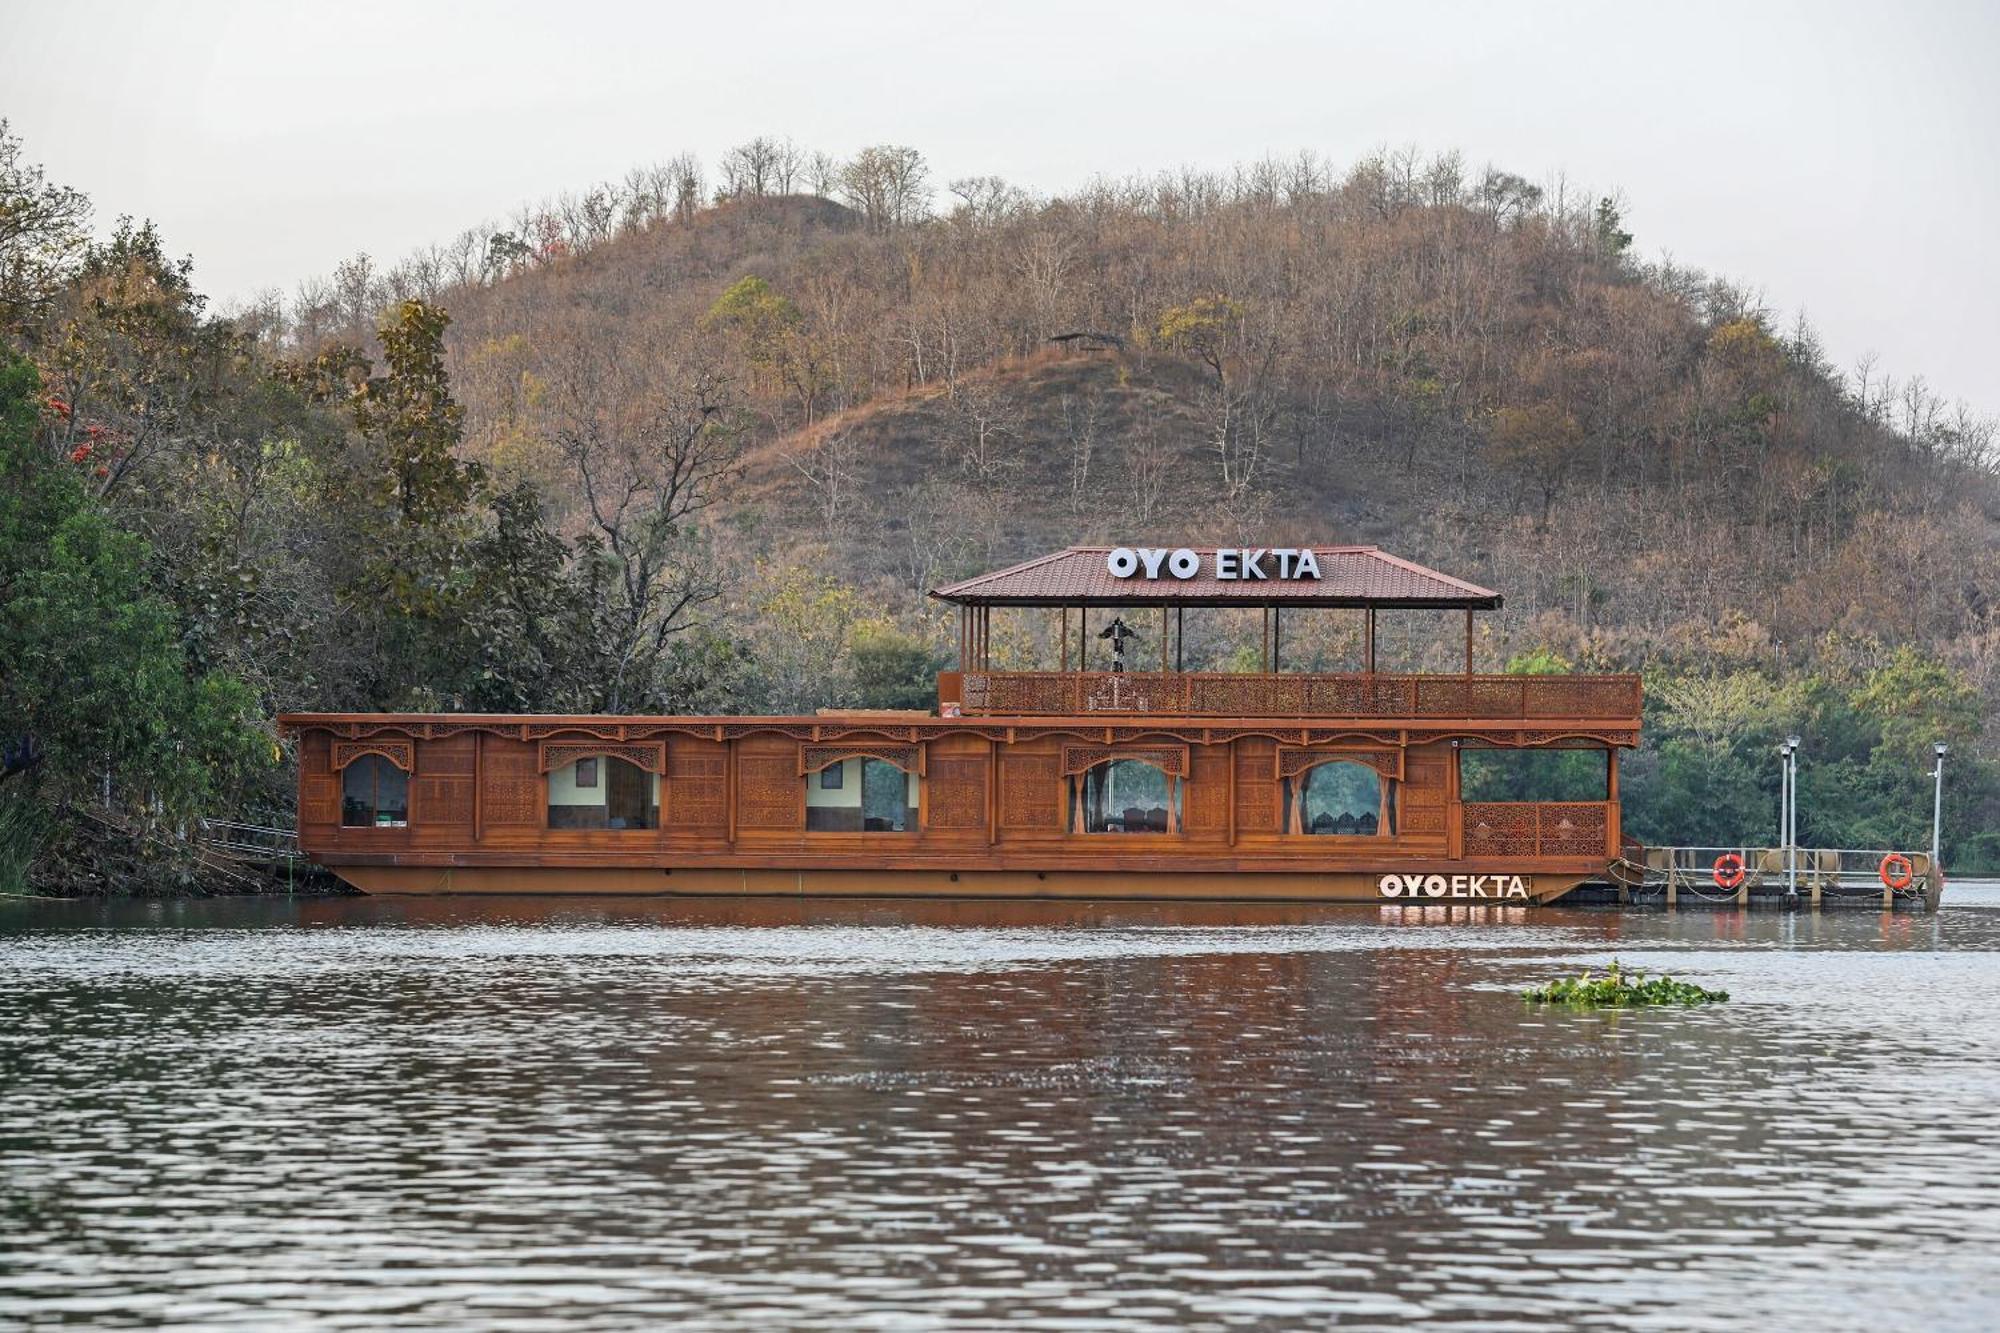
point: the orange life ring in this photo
(1897, 870)
(1728, 870)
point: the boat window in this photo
(603, 791)
(374, 793)
(1125, 796)
(861, 795)
(1340, 798)
(1533, 775)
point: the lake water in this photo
(535, 1114)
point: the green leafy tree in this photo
(892, 669)
(93, 675)
(43, 233)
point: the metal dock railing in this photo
(1805, 876)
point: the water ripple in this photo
(530, 1114)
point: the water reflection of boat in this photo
(1072, 782)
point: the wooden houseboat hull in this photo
(1444, 885)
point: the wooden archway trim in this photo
(1170, 759)
(651, 756)
(1293, 760)
(403, 754)
(909, 758)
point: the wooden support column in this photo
(1368, 641)
(729, 785)
(1230, 750)
(1468, 640)
(1277, 638)
(1180, 638)
(1064, 659)
(992, 792)
(478, 785)
(1613, 833)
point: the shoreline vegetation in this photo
(699, 440)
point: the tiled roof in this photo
(1349, 576)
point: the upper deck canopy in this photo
(1362, 576)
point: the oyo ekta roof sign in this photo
(1231, 563)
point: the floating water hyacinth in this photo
(1619, 989)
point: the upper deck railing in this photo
(1290, 694)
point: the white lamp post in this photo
(1792, 817)
(1937, 804)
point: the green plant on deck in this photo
(1619, 989)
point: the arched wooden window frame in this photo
(1171, 760)
(907, 758)
(646, 756)
(1294, 762)
(813, 758)
(397, 754)
(403, 754)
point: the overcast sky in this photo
(1840, 159)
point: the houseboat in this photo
(1110, 773)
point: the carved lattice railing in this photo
(1219, 694)
(1538, 828)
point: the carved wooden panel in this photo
(1573, 829)
(812, 758)
(442, 787)
(1296, 759)
(319, 799)
(1172, 759)
(1256, 790)
(769, 793)
(650, 756)
(514, 796)
(955, 789)
(696, 791)
(403, 754)
(1032, 791)
(1205, 796)
(1421, 802)
(1500, 828)
(1293, 694)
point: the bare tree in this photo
(986, 200)
(982, 424)
(888, 184)
(643, 490)
(827, 464)
(822, 174)
(1149, 465)
(1082, 419)
(760, 167)
(1044, 267)
(688, 184)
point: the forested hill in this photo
(1453, 364)
(703, 438)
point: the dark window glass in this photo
(586, 772)
(1125, 796)
(1341, 798)
(886, 803)
(374, 793)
